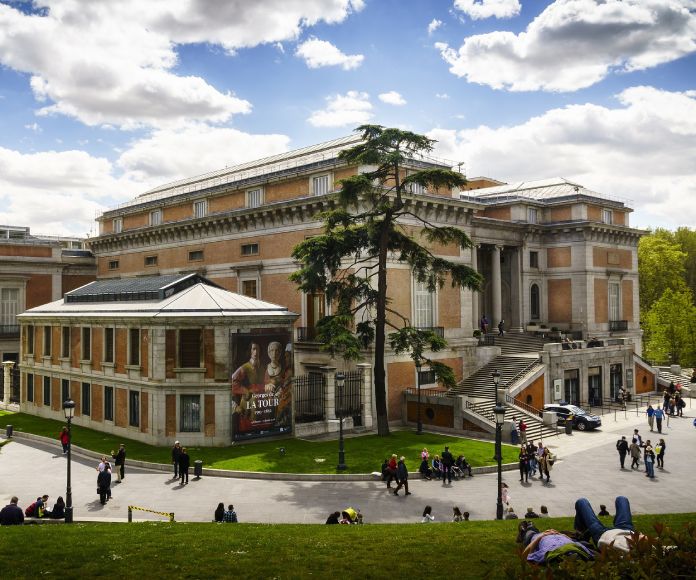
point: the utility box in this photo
(198, 468)
(550, 418)
(9, 431)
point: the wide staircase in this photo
(480, 385)
(536, 430)
(516, 343)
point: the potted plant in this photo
(478, 334)
(532, 326)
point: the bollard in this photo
(9, 430)
(130, 515)
(171, 517)
(198, 468)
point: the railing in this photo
(618, 325)
(487, 340)
(524, 406)
(427, 392)
(309, 392)
(348, 402)
(9, 330)
(521, 373)
(438, 331)
(481, 409)
(306, 333)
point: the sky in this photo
(101, 100)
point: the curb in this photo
(209, 472)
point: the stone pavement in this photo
(588, 466)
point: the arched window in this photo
(534, 301)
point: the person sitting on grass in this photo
(58, 511)
(219, 512)
(333, 518)
(530, 514)
(230, 516)
(603, 510)
(617, 537)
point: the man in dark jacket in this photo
(184, 464)
(447, 463)
(176, 452)
(11, 514)
(120, 461)
(401, 476)
(622, 448)
(104, 484)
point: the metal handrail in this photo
(523, 372)
(427, 392)
(524, 406)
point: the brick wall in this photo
(558, 257)
(121, 407)
(39, 290)
(644, 380)
(170, 416)
(601, 300)
(627, 300)
(560, 300)
(209, 419)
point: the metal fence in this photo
(14, 386)
(348, 399)
(309, 392)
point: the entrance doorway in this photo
(594, 386)
(615, 380)
(571, 383)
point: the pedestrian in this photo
(634, 450)
(523, 432)
(484, 325)
(107, 467)
(545, 465)
(103, 484)
(120, 462)
(401, 476)
(659, 415)
(672, 406)
(220, 512)
(622, 448)
(539, 453)
(64, 438)
(427, 515)
(665, 400)
(531, 452)
(176, 452)
(505, 493)
(184, 463)
(230, 516)
(514, 432)
(651, 416)
(501, 328)
(391, 470)
(649, 458)
(638, 438)
(523, 459)
(447, 461)
(11, 514)
(680, 406)
(660, 449)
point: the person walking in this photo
(622, 448)
(545, 464)
(184, 464)
(523, 432)
(659, 414)
(524, 464)
(64, 438)
(391, 470)
(447, 463)
(531, 452)
(176, 453)
(401, 476)
(649, 458)
(660, 449)
(501, 328)
(120, 462)
(651, 416)
(103, 484)
(634, 450)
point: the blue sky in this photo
(102, 99)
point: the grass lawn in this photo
(364, 454)
(163, 550)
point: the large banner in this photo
(261, 383)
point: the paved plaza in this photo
(588, 466)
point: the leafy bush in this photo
(477, 333)
(667, 554)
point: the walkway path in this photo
(588, 467)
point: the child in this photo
(427, 515)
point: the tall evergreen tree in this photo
(366, 229)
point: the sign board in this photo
(629, 378)
(261, 383)
(557, 389)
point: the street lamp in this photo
(419, 431)
(499, 412)
(69, 408)
(340, 382)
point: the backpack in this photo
(30, 511)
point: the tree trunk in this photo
(380, 323)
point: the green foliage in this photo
(686, 238)
(348, 262)
(660, 267)
(664, 554)
(670, 328)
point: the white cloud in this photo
(392, 98)
(434, 25)
(34, 127)
(443, 96)
(98, 63)
(641, 150)
(573, 44)
(353, 108)
(319, 53)
(478, 9)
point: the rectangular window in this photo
(134, 346)
(190, 348)
(250, 249)
(249, 288)
(532, 215)
(9, 307)
(614, 301)
(533, 259)
(118, 225)
(47, 391)
(150, 260)
(113, 264)
(109, 345)
(48, 334)
(108, 403)
(30, 339)
(190, 413)
(156, 217)
(320, 185)
(423, 306)
(607, 216)
(254, 197)
(86, 343)
(195, 256)
(200, 208)
(86, 399)
(30, 388)
(134, 408)
(417, 189)
(65, 343)
(65, 389)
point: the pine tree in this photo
(365, 229)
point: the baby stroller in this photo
(351, 516)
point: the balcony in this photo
(306, 334)
(9, 330)
(438, 331)
(618, 325)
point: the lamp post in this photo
(499, 412)
(69, 408)
(340, 382)
(419, 430)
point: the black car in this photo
(582, 420)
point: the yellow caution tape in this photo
(170, 515)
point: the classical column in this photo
(366, 369)
(7, 369)
(330, 393)
(475, 296)
(497, 301)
